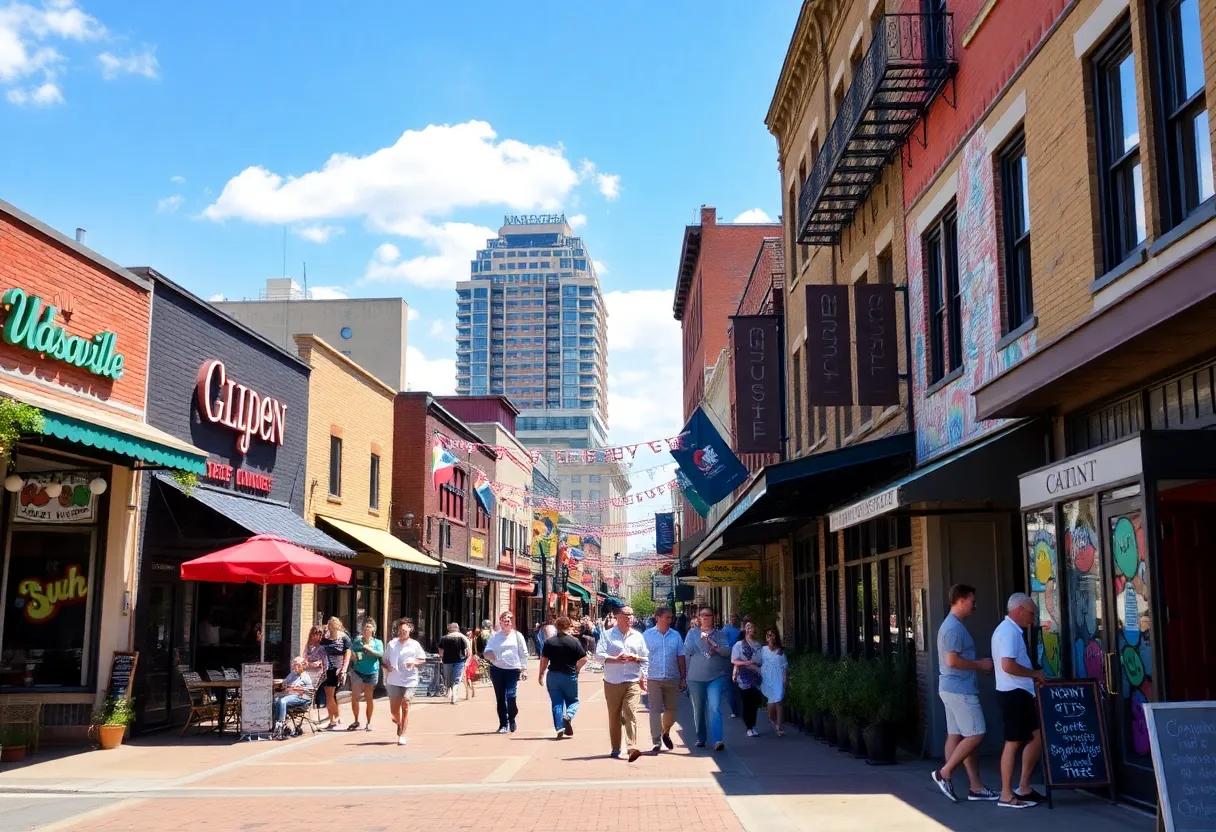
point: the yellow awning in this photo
(386, 544)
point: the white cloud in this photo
(437, 375)
(645, 383)
(609, 185)
(577, 221)
(216, 298)
(753, 215)
(601, 267)
(454, 244)
(318, 233)
(327, 293)
(28, 38)
(138, 63)
(412, 314)
(436, 329)
(169, 204)
(178, 180)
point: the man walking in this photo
(453, 653)
(1015, 678)
(731, 631)
(665, 674)
(622, 651)
(958, 691)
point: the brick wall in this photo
(97, 299)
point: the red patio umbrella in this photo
(265, 559)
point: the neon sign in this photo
(45, 599)
(32, 326)
(237, 407)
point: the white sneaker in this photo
(402, 740)
(751, 733)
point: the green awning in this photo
(123, 443)
(579, 590)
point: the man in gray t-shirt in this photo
(957, 689)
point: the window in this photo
(1186, 144)
(885, 271)
(806, 593)
(576, 477)
(335, 466)
(1118, 133)
(594, 477)
(797, 373)
(576, 494)
(945, 302)
(451, 495)
(1015, 206)
(373, 491)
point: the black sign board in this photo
(756, 354)
(1073, 724)
(122, 671)
(1183, 739)
(877, 339)
(829, 350)
(428, 680)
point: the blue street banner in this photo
(690, 494)
(708, 462)
(664, 533)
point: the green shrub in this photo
(114, 711)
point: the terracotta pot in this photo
(110, 736)
(12, 754)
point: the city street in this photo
(457, 774)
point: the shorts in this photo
(964, 716)
(399, 692)
(1018, 712)
(331, 678)
(357, 678)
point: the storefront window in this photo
(1087, 633)
(1133, 626)
(47, 607)
(1045, 586)
(871, 587)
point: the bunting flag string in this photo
(568, 456)
(513, 495)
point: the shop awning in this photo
(98, 428)
(482, 572)
(785, 493)
(579, 590)
(261, 516)
(396, 552)
(981, 476)
(612, 600)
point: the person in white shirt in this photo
(622, 650)
(1015, 693)
(402, 658)
(507, 653)
(665, 673)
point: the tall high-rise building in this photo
(531, 324)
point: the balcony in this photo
(908, 63)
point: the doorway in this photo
(167, 648)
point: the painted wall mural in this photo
(1087, 631)
(1042, 551)
(946, 419)
(1133, 629)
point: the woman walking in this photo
(402, 658)
(774, 672)
(507, 652)
(708, 653)
(337, 645)
(471, 668)
(563, 656)
(365, 672)
(745, 656)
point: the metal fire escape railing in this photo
(909, 61)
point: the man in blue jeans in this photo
(453, 653)
(563, 656)
(298, 690)
(731, 631)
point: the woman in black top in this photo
(563, 656)
(338, 650)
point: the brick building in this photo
(448, 523)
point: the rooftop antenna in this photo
(305, 280)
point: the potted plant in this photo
(829, 691)
(817, 666)
(890, 708)
(844, 676)
(13, 739)
(111, 720)
(863, 700)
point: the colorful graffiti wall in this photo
(946, 419)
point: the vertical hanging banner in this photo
(708, 462)
(829, 379)
(757, 353)
(877, 344)
(664, 533)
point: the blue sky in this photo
(135, 120)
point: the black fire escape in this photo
(908, 63)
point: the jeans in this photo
(563, 695)
(707, 707)
(288, 700)
(453, 674)
(736, 697)
(506, 686)
(752, 700)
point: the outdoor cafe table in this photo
(223, 686)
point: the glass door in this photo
(1130, 658)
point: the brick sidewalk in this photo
(456, 774)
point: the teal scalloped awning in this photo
(122, 443)
(579, 590)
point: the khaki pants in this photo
(664, 697)
(623, 700)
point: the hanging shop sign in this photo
(477, 548)
(877, 353)
(1082, 473)
(41, 599)
(828, 367)
(727, 572)
(756, 354)
(72, 502)
(222, 401)
(30, 324)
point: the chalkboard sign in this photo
(428, 680)
(122, 671)
(257, 698)
(1182, 736)
(1074, 734)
